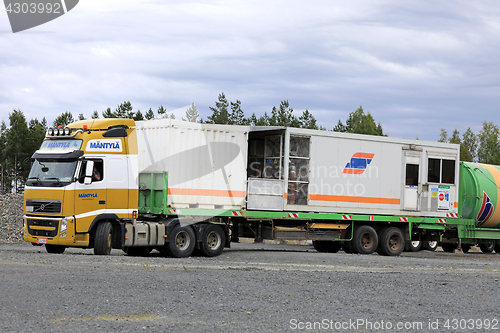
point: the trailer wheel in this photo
(103, 238)
(392, 242)
(213, 241)
(413, 246)
(317, 246)
(364, 240)
(488, 246)
(137, 250)
(448, 247)
(348, 247)
(182, 242)
(430, 245)
(327, 246)
(466, 247)
(497, 246)
(54, 248)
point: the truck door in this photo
(90, 194)
(411, 191)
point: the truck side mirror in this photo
(88, 172)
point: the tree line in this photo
(482, 147)
(20, 138)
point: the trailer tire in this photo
(348, 247)
(54, 248)
(488, 246)
(103, 238)
(328, 246)
(448, 247)
(413, 246)
(430, 245)
(213, 241)
(466, 248)
(181, 242)
(137, 251)
(392, 242)
(318, 246)
(497, 246)
(364, 240)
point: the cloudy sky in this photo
(417, 66)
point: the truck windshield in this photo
(51, 173)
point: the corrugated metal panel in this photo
(206, 164)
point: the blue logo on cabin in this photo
(358, 163)
(87, 195)
(486, 210)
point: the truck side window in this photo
(97, 174)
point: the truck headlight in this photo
(64, 225)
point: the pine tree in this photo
(63, 119)
(220, 114)
(16, 151)
(192, 114)
(108, 114)
(237, 116)
(138, 115)
(307, 120)
(162, 112)
(81, 116)
(124, 110)
(361, 123)
(149, 115)
(95, 115)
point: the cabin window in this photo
(98, 174)
(441, 171)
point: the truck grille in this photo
(33, 224)
(45, 206)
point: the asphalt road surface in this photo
(249, 288)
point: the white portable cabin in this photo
(299, 170)
(295, 169)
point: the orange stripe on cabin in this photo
(363, 155)
(353, 171)
(343, 198)
(210, 193)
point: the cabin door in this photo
(411, 195)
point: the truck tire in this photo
(430, 245)
(488, 246)
(392, 242)
(364, 240)
(213, 241)
(413, 246)
(54, 248)
(138, 251)
(329, 246)
(181, 242)
(103, 237)
(348, 247)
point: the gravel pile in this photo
(11, 218)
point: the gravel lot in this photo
(249, 288)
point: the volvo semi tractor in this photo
(180, 187)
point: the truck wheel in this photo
(448, 247)
(430, 245)
(213, 241)
(413, 246)
(138, 250)
(181, 242)
(364, 240)
(103, 237)
(392, 242)
(487, 247)
(54, 248)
